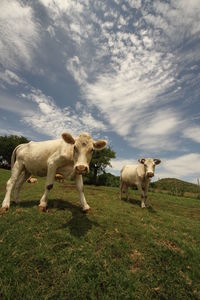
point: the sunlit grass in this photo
(117, 251)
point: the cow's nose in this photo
(81, 169)
(150, 174)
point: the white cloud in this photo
(156, 132)
(74, 67)
(141, 70)
(16, 105)
(51, 120)
(177, 19)
(183, 167)
(135, 3)
(19, 34)
(11, 131)
(192, 133)
(11, 78)
(118, 163)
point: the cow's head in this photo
(83, 147)
(149, 165)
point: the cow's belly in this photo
(38, 168)
(67, 170)
(42, 170)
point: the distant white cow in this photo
(139, 175)
(59, 178)
(66, 156)
(31, 180)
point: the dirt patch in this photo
(70, 186)
(137, 258)
(186, 278)
(19, 210)
(170, 245)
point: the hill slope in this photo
(171, 184)
(118, 251)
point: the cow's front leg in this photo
(142, 195)
(79, 186)
(51, 172)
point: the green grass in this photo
(117, 251)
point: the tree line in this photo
(98, 164)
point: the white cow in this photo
(31, 180)
(139, 175)
(66, 156)
(59, 178)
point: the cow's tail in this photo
(14, 155)
(121, 177)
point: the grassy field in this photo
(117, 251)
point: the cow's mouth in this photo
(150, 175)
(81, 173)
(81, 170)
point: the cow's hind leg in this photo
(18, 185)
(127, 196)
(79, 186)
(16, 171)
(121, 189)
(124, 188)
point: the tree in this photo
(98, 164)
(8, 144)
(108, 179)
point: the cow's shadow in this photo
(132, 201)
(79, 224)
(137, 202)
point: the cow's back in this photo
(129, 174)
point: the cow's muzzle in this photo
(81, 169)
(150, 174)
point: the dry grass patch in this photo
(137, 258)
(170, 245)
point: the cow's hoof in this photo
(3, 210)
(42, 208)
(87, 210)
(143, 206)
(15, 202)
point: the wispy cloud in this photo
(19, 34)
(118, 163)
(11, 131)
(186, 167)
(142, 73)
(51, 120)
(192, 133)
(10, 78)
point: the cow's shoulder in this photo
(141, 171)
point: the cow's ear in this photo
(142, 160)
(68, 138)
(99, 145)
(157, 161)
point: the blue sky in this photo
(127, 71)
